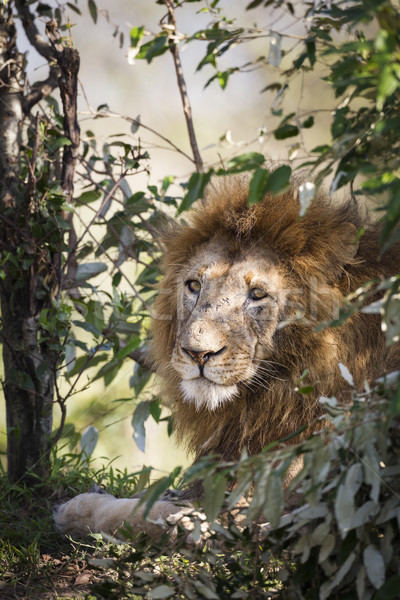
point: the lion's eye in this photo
(257, 294)
(193, 286)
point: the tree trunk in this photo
(28, 370)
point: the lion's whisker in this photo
(270, 362)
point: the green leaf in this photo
(127, 349)
(244, 162)
(140, 416)
(59, 142)
(89, 196)
(372, 474)
(89, 441)
(154, 48)
(285, 131)
(148, 277)
(391, 319)
(109, 371)
(307, 389)
(222, 77)
(70, 354)
(258, 186)
(385, 41)
(87, 362)
(363, 514)
(374, 566)
(87, 327)
(207, 591)
(156, 490)
(344, 509)
(136, 35)
(93, 10)
(263, 182)
(161, 591)
(354, 478)
(135, 124)
(389, 590)
(309, 122)
(310, 45)
(214, 495)
(387, 85)
(117, 279)
(155, 410)
(196, 188)
(328, 586)
(86, 271)
(279, 179)
(273, 500)
(73, 7)
(326, 548)
(139, 378)
(254, 4)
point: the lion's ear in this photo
(335, 250)
(347, 240)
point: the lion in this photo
(235, 329)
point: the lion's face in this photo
(229, 307)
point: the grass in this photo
(38, 563)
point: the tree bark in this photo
(31, 277)
(28, 377)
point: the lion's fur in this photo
(317, 258)
(319, 249)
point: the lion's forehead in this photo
(221, 269)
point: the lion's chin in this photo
(206, 394)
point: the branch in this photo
(41, 90)
(68, 61)
(142, 359)
(113, 262)
(113, 115)
(73, 248)
(10, 111)
(36, 39)
(173, 46)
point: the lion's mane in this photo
(320, 252)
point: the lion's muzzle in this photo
(202, 356)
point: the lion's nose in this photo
(201, 357)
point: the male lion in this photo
(244, 288)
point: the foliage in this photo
(342, 539)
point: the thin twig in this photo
(113, 115)
(68, 60)
(31, 187)
(173, 46)
(40, 44)
(84, 367)
(87, 228)
(113, 262)
(142, 358)
(41, 90)
(62, 404)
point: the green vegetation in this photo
(78, 268)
